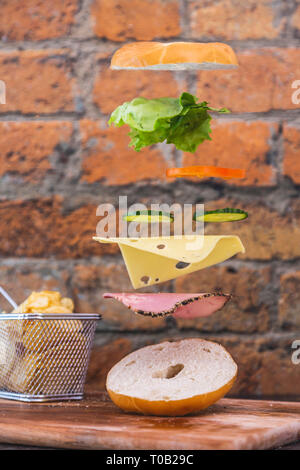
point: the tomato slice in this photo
(206, 172)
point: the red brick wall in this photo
(58, 161)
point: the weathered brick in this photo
(37, 81)
(21, 280)
(262, 81)
(278, 375)
(42, 228)
(289, 302)
(25, 147)
(35, 19)
(119, 20)
(89, 284)
(249, 362)
(296, 18)
(238, 145)
(107, 157)
(246, 312)
(113, 87)
(102, 359)
(229, 19)
(266, 234)
(291, 145)
(264, 365)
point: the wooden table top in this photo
(95, 423)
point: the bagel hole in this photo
(168, 373)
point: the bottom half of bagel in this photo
(172, 378)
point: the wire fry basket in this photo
(44, 357)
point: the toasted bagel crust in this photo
(171, 407)
(174, 56)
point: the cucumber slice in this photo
(221, 215)
(147, 216)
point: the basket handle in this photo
(8, 297)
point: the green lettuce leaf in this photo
(179, 121)
(140, 139)
(191, 130)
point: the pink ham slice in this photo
(180, 305)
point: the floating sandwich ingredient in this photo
(157, 259)
(148, 216)
(174, 56)
(179, 121)
(217, 215)
(173, 378)
(206, 172)
(180, 305)
(221, 215)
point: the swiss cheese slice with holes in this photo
(157, 259)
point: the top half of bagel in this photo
(174, 56)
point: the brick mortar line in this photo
(82, 17)
(276, 263)
(72, 42)
(274, 115)
(281, 191)
(12, 116)
(272, 330)
(184, 16)
(189, 333)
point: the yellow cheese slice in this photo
(157, 259)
